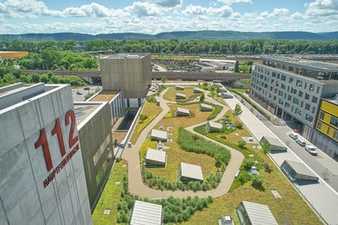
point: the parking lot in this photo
(82, 93)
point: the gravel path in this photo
(135, 180)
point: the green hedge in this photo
(217, 109)
(194, 143)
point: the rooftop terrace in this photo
(104, 96)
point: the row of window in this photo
(333, 119)
(327, 130)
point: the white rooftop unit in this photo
(191, 172)
(256, 214)
(159, 135)
(197, 90)
(145, 213)
(180, 96)
(155, 157)
(206, 107)
(182, 112)
(179, 87)
(214, 126)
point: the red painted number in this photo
(70, 118)
(72, 139)
(43, 142)
(58, 132)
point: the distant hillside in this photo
(180, 35)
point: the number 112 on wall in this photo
(57, 131)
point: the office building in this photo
(292, 89)
(128, 73)
(326, 137)
(42, 179)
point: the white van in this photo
(301, 141)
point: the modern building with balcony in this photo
(293, 88)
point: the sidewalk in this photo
(321, 196)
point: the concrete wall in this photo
(97, 151)
(23, 198)
(131, 75)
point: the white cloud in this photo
(195, 10)
(165, 3)
(92, 9)
(153, 16)
(231, 2)
(322, 8)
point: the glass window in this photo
(334, 121)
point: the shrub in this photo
(217, 109)
(248, 163)
(258, 183)
(241, 144)
(238, 110)
(143, 117)
(244, 177)
(267, 168)
(238, 125)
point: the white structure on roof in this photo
(206, 107)
(225, 220)
(159, 135)
(298, 172)
(191, 172)
(145, 213)
(214, 126)
(250, 213)
(197, 90)
(273, 144)
(180, 96)
(182, 112)
(225, 95)
(155, 157)
(180, 88)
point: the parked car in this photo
(301, 141)
(293, 135)
(311, 149)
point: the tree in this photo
(238, 110)
(237, 67)
(258, 183)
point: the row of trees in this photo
(182, 46)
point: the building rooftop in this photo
(300, 168)
(145, 213)
(19, 92)
(156, 155)
(183, 110)
(125, 56)
(206, 106)
(259, 214)
(315, 65)
(333, 100)
(104, 96)
(191, 171)
(159, 134)
(215, 125)
(83, 110)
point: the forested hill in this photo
(185, 35)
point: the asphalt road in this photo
(322, 164)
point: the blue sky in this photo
(154, 16)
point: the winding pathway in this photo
(135, 180)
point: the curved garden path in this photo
(135, 180)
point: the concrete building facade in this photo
(42, 179)
(95, 133)
(129, 73)
(292, 89)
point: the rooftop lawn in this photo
(149, 112)
(110, 196)
(290, 209)
(170, 95)
(175, 154)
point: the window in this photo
(334, 121)
(314, 99)
(307, 96)
(336, 135)
(307, 107)
(321, 115)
